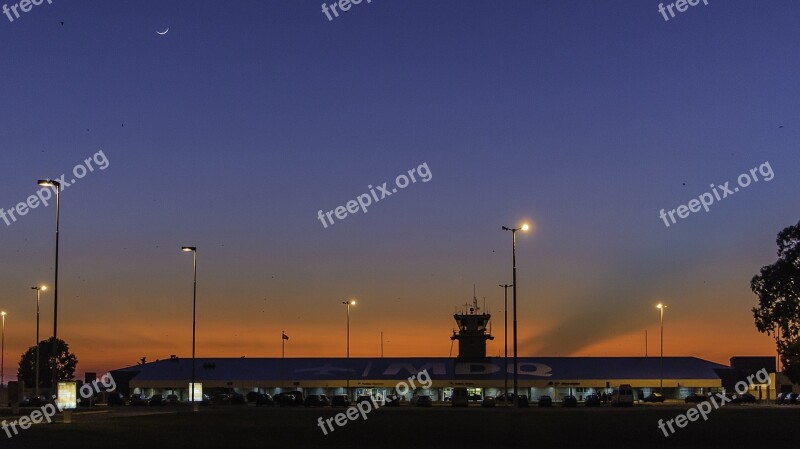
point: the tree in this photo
(66, 364)
(778, 289)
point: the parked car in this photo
(340, 400)
(745, 398)
(289, 398)
(654, 397)
(392, 400)
(115, 398)
(87, 402)
(475, 398)
(623, 395)
(505, 397)
(157, 399)
(35, 401)
(545, 401)
(314, 400)
(138, 400)
(238, 398)
(364, 398)
(460, 397)
(570, 401)
(592, 400)
(488, 401)
(222, 398)
(252, 396)
(522, 401)
(264, 399)
(172, 399)
(424, 401)
(781, 399)
(792, 398)
(695, 398)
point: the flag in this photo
(284, 336)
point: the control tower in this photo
(472, 332)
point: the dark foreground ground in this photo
(414, 428)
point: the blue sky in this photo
(232, 130)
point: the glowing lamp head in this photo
(188, 248)
(43, 288)
(525, 227)
(660, 306)
(2, 314)
(48, 183)
(352, 302)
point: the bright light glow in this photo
(659, 306)
(45, 183)
(198, 391)
(352, 302)
(2, 314)
(68, 395)
(43, 288)
(525, 227)
(188, 248)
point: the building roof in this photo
(439, 368)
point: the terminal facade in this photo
(471, 369)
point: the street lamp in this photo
(39, 290)
(661, 307)
(524, 227)
(3, 352)
(505, 343)
(193, 250)
(57, 186)
(349, 303)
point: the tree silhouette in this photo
(778, 289)
(66, 364)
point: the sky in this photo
(235, 128)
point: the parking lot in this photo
(246, 426)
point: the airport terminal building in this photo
(554, 376)
(471, 369)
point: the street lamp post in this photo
(349, 303)
(39, 290)
(3, 352)
(661, 307)
(57, 186)
(193, 250)
(505, 343)
(514, 290)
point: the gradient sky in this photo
(231, 131)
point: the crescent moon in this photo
(163, 32)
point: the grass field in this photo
(437, 427)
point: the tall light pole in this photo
(39, 291)
(193, 250)
(349, 303)
(3, 352)
(57, 186)
(514, 289)
(505, 343)
(661, 307)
